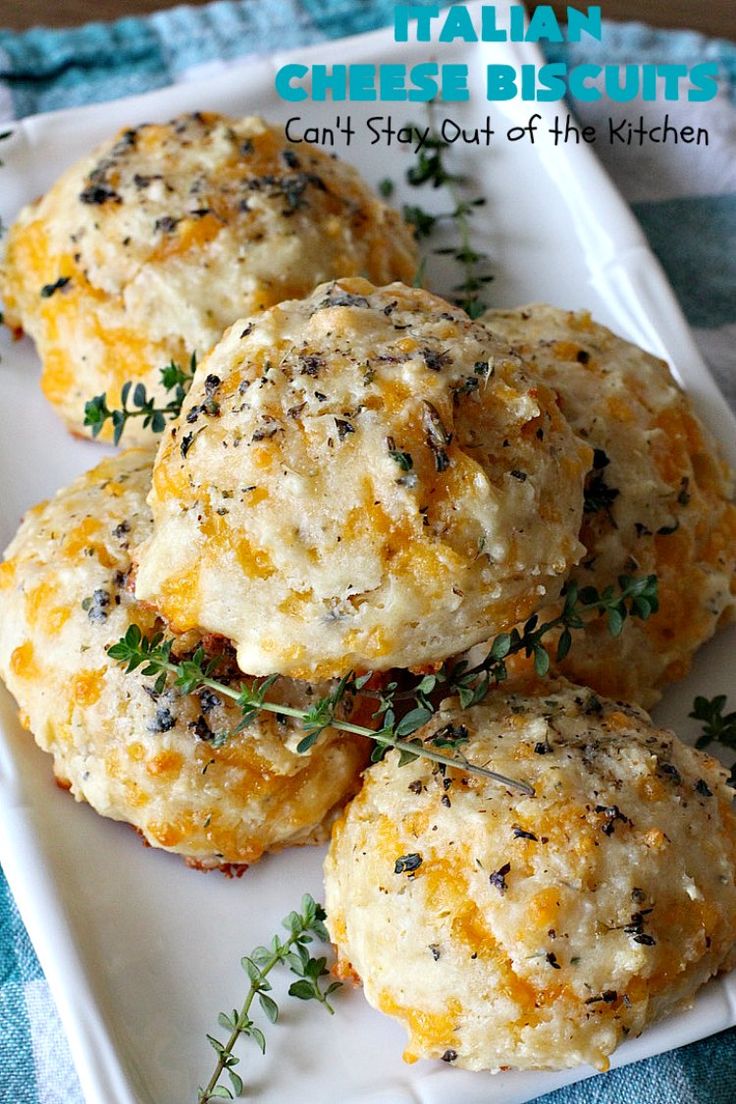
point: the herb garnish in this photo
(302, 927)
(635, 598)
(716, 726)
(430, 168)
(153, 655)
(173, 379)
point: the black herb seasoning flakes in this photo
(343, 428)
(209, 700)
(166, 224)
(606, 997)
(635, 928)
(465, 386)
(311, 365)
(670, 771)
(437, 436)
(97, 605)
(201, 729)
(611, 813)
(598, 495)
(336, 297)
(436, 360)
(407, 864)
(163, 720)
(403, 459)
(97, 194)
(498, 878)
(50, 289)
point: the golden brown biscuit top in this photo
(360, 477)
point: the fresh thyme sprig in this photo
(430, 168)
(173, 379)
(153, 655)
(302, 927)
(635, 597)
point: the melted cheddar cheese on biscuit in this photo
(134, 754)
(147, 249)
(360, 479)
(658, 498)
(536, 932)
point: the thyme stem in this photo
(237, 1031)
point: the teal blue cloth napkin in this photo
(687, 206)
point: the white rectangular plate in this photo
(140, 952)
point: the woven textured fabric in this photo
(686, 203)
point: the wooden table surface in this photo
(713, 17)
